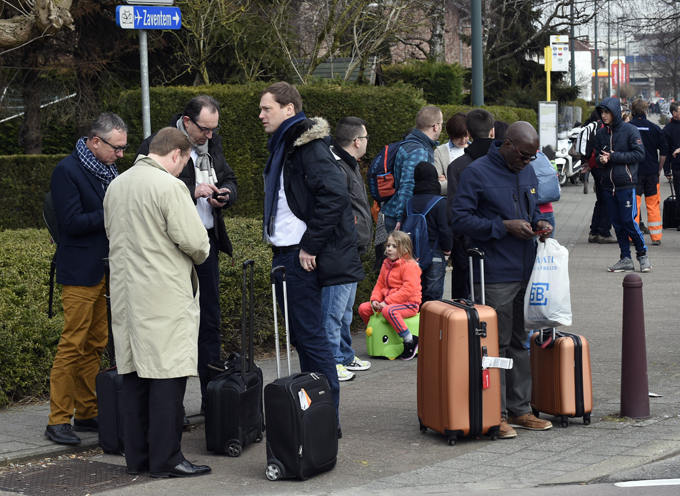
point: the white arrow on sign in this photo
(176, 18)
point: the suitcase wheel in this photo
(422, 427)
(273, 472)
(586, 419)
(452, 441)
(234, 449)
(565, 421)
(258, 439)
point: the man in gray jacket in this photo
(349, 146)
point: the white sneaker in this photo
(343, 373)
(358, 364)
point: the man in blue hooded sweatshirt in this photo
(619, 148)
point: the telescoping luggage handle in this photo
(472, 252)
(248, 263)
(672, 192)
(112, 350)
(281, 269)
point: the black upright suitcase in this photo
(670, 221)
(109, 387)
(302, 430)
(233, 407)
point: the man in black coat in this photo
(308, 221)
(480, 124)
(672, 165)
(212, 185)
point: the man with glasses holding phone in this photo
(212, 186)
(496, 205)
(78, 185)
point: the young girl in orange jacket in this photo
(398, 292)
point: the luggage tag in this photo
(497, 363)
(304, 398)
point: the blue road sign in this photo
(147, 17)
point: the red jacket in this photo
(399, 282)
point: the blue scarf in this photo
(105, 173)
(272, 172)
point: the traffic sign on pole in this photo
(147, 17)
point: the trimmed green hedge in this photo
(389, 111)
(29, 339)
(442, 83)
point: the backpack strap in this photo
(432, 203)
(409, 208)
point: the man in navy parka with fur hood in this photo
(619, 148)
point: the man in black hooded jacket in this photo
(619, 148)
(480, 125)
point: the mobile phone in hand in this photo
(220, 197)
(541, 232)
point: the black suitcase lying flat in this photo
(109, 387)
(233, 407)
(670, 221)
(302, 430)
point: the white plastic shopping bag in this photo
(547, 302)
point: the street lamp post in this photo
(597, 64)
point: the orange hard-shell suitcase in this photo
(456, 396)
(562, 383)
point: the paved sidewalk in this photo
(382, 448)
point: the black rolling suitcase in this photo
(233, 407)
(109, 387)
(302, 431)
(670, 221)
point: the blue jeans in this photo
(432, 278)
(306, 320)
(338, 304)
(622, 212)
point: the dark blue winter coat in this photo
(624, 143)
(653, 139)
(489, 193)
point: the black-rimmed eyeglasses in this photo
(363, 137)
(205, 130)
(116, 149)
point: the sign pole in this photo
(144, 70)
(548, 69)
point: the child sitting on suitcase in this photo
(398, 292)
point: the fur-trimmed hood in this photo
(314, 128)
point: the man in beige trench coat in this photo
(155, 237)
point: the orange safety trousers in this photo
(654, 221)
(76, 364)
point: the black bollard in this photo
(634, 384)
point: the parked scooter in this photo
(567, 167)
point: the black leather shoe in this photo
(184, 469)
(84, 425)
(185, 421)
(137, 472)
(62, 434)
